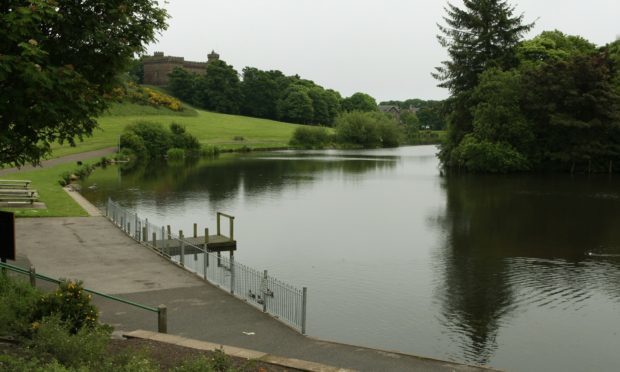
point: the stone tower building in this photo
(157, 67)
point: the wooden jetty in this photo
(197, 244)
(215, 243)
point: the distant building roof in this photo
(389, 108)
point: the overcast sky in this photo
(386, 48)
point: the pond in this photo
(519, 272)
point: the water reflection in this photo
(513, 243)
(220, 179)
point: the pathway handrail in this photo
(33, 273)
(283, 301)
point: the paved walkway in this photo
(92, 249)
(62, 160)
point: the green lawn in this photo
(210, 128)
(45, 181)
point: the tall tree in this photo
(481, 35)
(260, 92)
(359, 102)
(296, 105)
(221, 88)
(182, 84)
(57, 61)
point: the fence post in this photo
(145, 235)
(146, 228)
(162, 319)
(182, 248)
(136, 228)
(232, 273)
(264, 290)
(163, 239)
(168, 237)
(33, 276)
(304, 302)
(154, 240)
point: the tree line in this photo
(544, 104)
(264, 94)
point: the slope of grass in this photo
(211, 128)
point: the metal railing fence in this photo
(283, 301)
(161, 310)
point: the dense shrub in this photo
(14, 363)
(209, 150)
(310, 137)
(368, 130)
(175, 154)
(18, 301)
(183, 140)
(144, 96)
(477, 155)
(152, 140)
(71, 303)
(56, 338)
(157, 140)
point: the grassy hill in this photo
(224, 131)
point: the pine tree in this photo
(480, 36)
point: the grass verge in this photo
(45, 181)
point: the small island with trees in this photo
(551, 103)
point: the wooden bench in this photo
(18, 196)
(15, 184)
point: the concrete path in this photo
(62, 160)
(92, 249)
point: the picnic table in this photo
(17, 191)
(15, 184)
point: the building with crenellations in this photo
(158, 66)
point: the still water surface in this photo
(515, 272)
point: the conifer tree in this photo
(480, 36)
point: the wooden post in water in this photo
(163, 238)
(168, 237)
(231, 223)
(195, 230)
(182, 248)
(206, 263)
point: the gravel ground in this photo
(169, 355)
